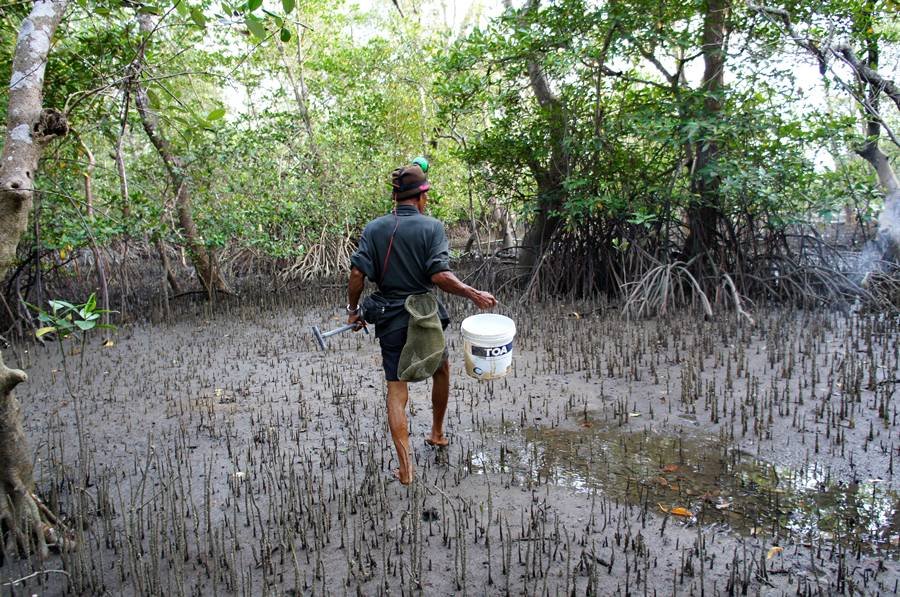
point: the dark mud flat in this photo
(220, 453)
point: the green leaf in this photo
(253, 5)
(154, 99)
(57, 305)
(288, 6)
(255, 27)
(85, 325)
(216, 114)
(198, 17)
(285, 35)
(45, 330)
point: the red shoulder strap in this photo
(387, 255)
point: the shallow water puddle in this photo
(701, 478)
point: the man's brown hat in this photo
(408, 182)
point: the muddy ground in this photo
(219, 452)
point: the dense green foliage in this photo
(288, 117)
(628, 81)
(218, 76)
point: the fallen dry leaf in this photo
(670, 468)
(774, 551)
(723, 505)
(109, 344)
(676, 511)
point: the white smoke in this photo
(875, 254)
(889, 221)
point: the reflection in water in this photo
(715, 482)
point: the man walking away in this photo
(406, 253)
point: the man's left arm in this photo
(438, 270)
(437, 258)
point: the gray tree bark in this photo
(549, 177)
(175, 168)
(868, 75)
(99, 261)
(705, 213)
(301, 94)
(120, 156)
(28, 130)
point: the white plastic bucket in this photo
(488, 345)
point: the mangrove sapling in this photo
(65, 320)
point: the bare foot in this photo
(404, 479)
(437, 440)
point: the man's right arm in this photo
(448, 282)
(361, 267)
(354, 291)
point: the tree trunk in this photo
(889, 220)
(888, 236)
(873, 84)
(881, 164)
(88, 177)
(99, 261)
(28, 130)
(120, 156)
(546, 221)
(203, 262)
(505, 223)
(705, 212)
(301, 95)
(168, 273)
(38, 202)
(549, 177)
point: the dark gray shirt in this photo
(420, 249)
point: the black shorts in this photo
(391, 346)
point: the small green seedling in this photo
(65, 319)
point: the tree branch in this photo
(652, 59)
(804, 42)
(846, 54)
(867, 74)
